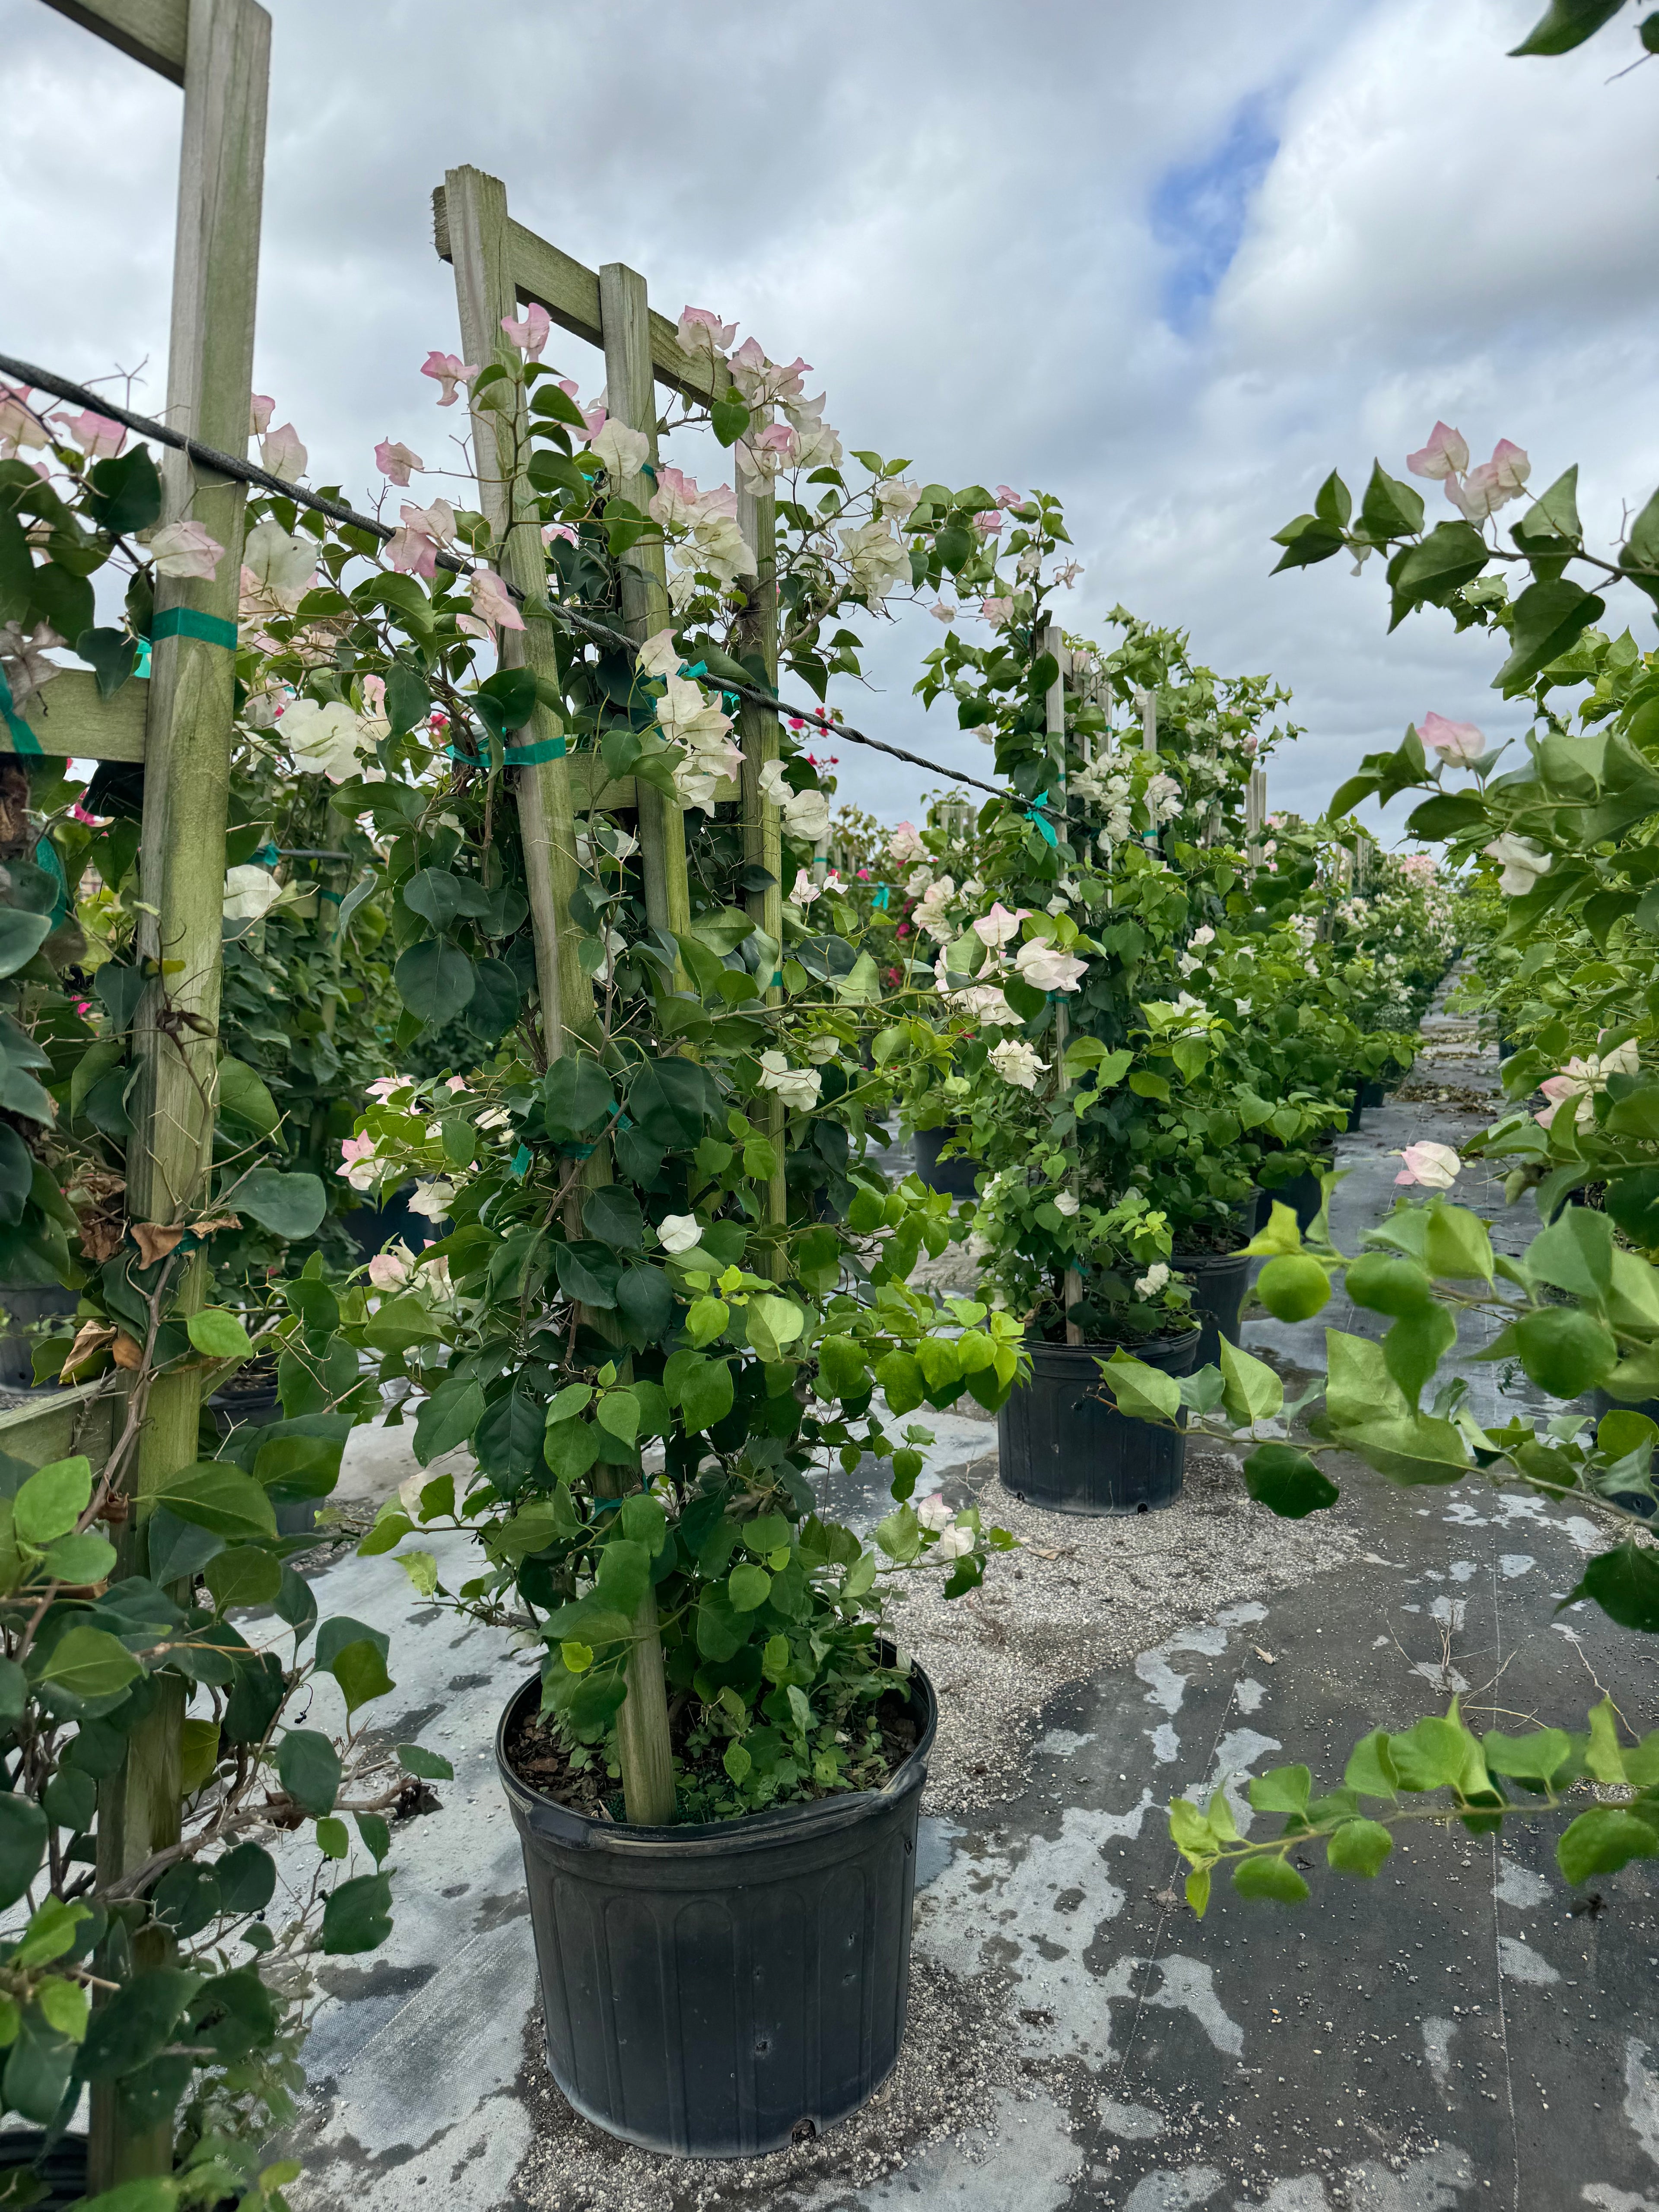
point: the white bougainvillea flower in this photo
(250, 892)
(679, 1232)
(954, 1542)
(1445, 454)
(985, 1004)
(820, 1050)
(397, 462)
(491, 602)
(1522, 862)
(282, 453)
(357, 1162)
(322, 740)
(796, 1086)
(1046, 968)
(433, 1199)
(1436, 1167)
(806, 816)
(448, 369)
(895, 498)
(998, 927)
(533, 333)
(942, 613)
(904, 844)
(20, 423)
(699, 329)
(1066, 1202)
(277, 566)
(185, 549)
(25, 658)
(876, 559)
(620, 449)
(1149, 1284)
(1455, 741)
(934, 1513)
(99, 439)
(774, 787)
(1017, 1063)
(260, 408)
(929, 912)
(391, 1270)
(1583, 1079)
(1510, 466)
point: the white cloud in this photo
(993, 240)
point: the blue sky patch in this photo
(1197, 212)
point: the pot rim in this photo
(714, 1838)
(1184, 1263)
(1118, 1344)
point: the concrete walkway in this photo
(1462, 2032)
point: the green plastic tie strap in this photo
(548, 749)
(23, 739)
(191, 621)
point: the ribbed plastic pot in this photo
(1357, 1111)
(1374, 1093)
(1220, 1282)
(954, 1176)
(1063, 1445)
(21, 1308)
(61, 2170)
(722, 1990)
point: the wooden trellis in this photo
(500, 267)
(178, 724)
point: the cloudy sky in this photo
(1171, 264)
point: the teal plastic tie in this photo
(191, 621)
(23, 739)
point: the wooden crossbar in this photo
(152, 31)
(69, 720)
(570, 294)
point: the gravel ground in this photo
(1085, 1594)
(955, 2056)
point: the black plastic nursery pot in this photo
(1220, 1281)
(1374, 1093)
(721, 1989)
(1357, 1111)
(22, 1308)
(955, 1176)
(1063, 1445)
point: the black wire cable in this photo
(228, 465)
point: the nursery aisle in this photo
(1455, 2033)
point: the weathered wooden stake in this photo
(1055, 717)
(478, 246)
(763, 828)
(186, 782)
(631, 397)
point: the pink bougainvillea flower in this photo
(282, 453)
(1511, 466)
(490, 602)
(998, 927)
(941, 612)
(702, 331)
(384, 1086)
(1457, 741)
(412, 552)
(552, 529)
(997, 610)
(396, 462)
(98, 438)
(448, 369)
(391, 1270)
(260, 408)
(19, 424)
(989, 522)
(455, 1083)
(1007, 496)
(1436, 1167)
(531, 334)
(593, 420)
(185, 549)
(1446, 453)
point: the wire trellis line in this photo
(228, 465)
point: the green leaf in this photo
(1251, 1390)
(22, 936)
(1287, 1482)
(1274, 1878)
(218, 1497)
(1565, 24)
(1625, 1583)
(749, 1586)
(89, 1663)
(1548, 617)
(219, 1334)
(434, 981)
(1285, 1790)
(291, 1206)
(729, 419)
(440, 896)
(1358, 1847)
(123, 492)
(624, 1575)
(408, 701)
(704, 1394)
(1371, 1769)
(612, 1215)
(23, 1830)
(360, 1670)
(310, 1770)
(1142, 1392)
(576, 1096)
(65, 2006)
(1452, 555)
(448, 1418)
(425, 1766)
(1391, 508)
(243, 1095)
(112, 655)
(1307, 539)
(136, 2022)
(1562, 1349)
(52, 1500)
(86, 1558)
(1602, 1840)
(357, 1916)
(618, 1413)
